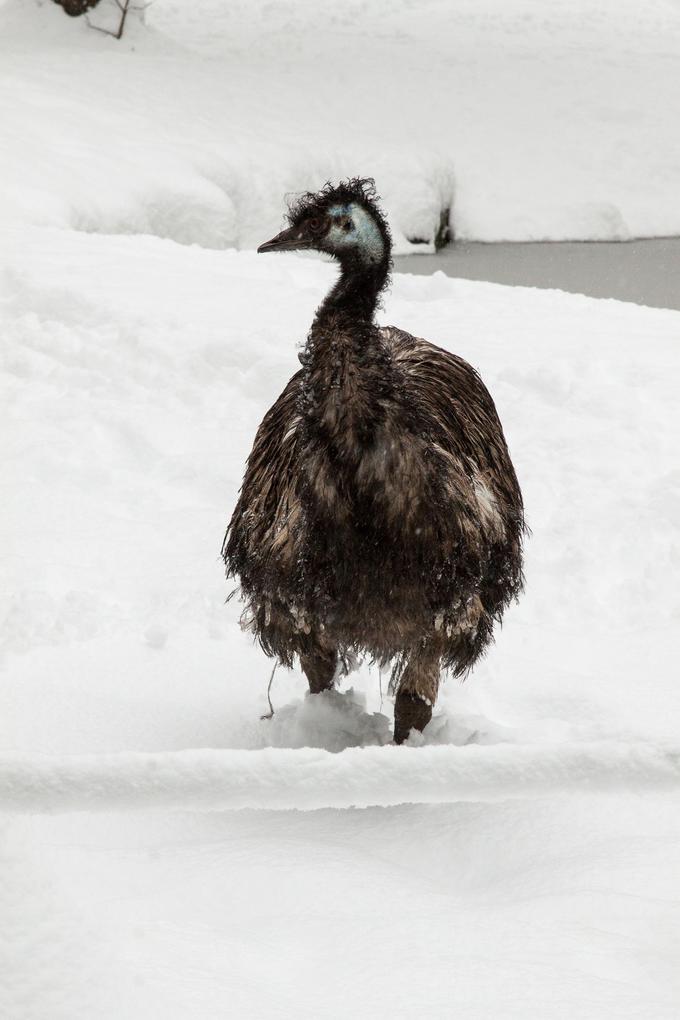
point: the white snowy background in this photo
(164, 853)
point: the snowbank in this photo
(528, 120)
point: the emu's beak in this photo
(291, 239)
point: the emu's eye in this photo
(343, 222)
(315, 224)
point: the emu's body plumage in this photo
(380, 511)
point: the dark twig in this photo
(124, 8)
(269, 687)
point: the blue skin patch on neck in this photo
(363, 236)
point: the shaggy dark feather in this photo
(380, 512)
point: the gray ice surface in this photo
(646, 272)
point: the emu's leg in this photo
(416, 693)
(319, 668)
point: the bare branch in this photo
(123, 16)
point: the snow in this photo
(306, 779)
(523, 859)
(409, 910)
(124, 454)
(165, 852)
(531, 120)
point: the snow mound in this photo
(194, 212)
(333, 720)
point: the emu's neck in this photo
(347, 367)
(356, 293)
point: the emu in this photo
(380, 512)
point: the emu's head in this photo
(344, 221)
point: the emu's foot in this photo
(410, 712)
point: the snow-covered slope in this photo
(532, 119)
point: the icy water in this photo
(646, 272)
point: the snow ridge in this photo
(307, 779)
